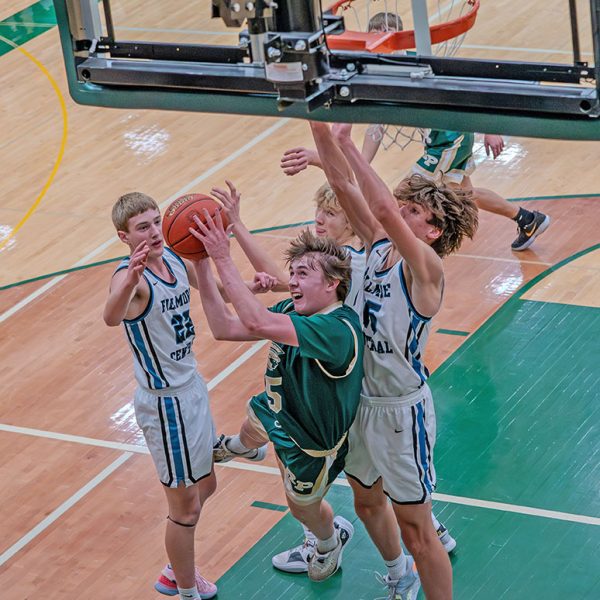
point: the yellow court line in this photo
(63, 142)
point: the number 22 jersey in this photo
(161, 337)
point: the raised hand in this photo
(230, 199)
(212, 234)
(137, 263)
(262, 283)
(297, 159)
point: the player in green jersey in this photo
(312, 380)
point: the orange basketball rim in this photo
(392, 41)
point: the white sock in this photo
(397, 567)
(329, 544)
(436, 523)
(236, 446)
(308, 534)
(188, 593)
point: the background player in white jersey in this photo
(150, 295)
(312, 379)
(392, 439)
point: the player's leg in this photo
(423, 544)
(488, 200)
(185, 505)
(306, 480)
(250, 443)
(530, 224)
(375, 511)
(179, 433)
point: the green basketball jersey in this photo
(312, 390)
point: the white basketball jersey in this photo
(354, 299)
(161, 337)
(395, 333)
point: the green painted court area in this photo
(518, 409)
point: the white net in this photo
(391, 15)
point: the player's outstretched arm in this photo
(424, 263)
(259, 258)
(340, 178)
(129, 291)
(372, 141)
(255, 318)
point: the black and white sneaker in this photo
(222, 453)
(528, 233)
(295, 560)
(321, 566)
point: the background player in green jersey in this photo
(312, 380)
(447, 160)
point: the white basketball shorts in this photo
(179, 431)
(393, 439)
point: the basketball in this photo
(179, 217)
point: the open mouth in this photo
(296, 295)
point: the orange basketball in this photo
(178, 218)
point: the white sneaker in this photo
(323, 566)
(405, 588)
(295, 560)
(222, 453)
(447, 540)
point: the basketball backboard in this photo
(515, 69)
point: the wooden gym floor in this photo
(514, 349)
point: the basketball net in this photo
(357, 15)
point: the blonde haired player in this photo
(150, 295)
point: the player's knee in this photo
(187, 513)
(366, 509)
(418, 539)
(207, 488)
(298, 512)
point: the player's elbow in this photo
(111, 321)
(109, 316)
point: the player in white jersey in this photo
(392, 438)
(150, 295)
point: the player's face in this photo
(417, 218)
(309, 289)
(146, 227)
(329, 223)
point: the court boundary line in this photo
(274, 471)
(309, 222)
(186, 188)
(63, 508)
